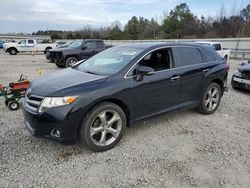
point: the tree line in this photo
(179, 23)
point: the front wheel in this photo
(211, 99)
(71, 61)
(103, 127)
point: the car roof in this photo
(207, 42)
(147, 45)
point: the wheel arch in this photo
(47, 48)
(220, 83)
(12, 47)
(118, 102)
(68, 56)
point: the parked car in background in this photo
(224, 53)
(76, 51)
(27, 45)
(59, 45)
(94, 101)
(1, 43)
(241, 77)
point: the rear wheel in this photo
(13, 105)
(211, 99)
(71, 61)
(47, 50)
(103, 127)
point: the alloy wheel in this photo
(212, 98)
(105, 128)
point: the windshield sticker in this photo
(131, 53)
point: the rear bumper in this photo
(43, 125)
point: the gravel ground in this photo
(181, 149)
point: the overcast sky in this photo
(32, 15)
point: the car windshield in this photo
(110, 61)
(75, 44)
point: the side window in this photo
(99, 44)
(217, 47)
(189, 56)
(30, 42)
(207, 56)
(158, 60)
(22, 42)
(90, 45)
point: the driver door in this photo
(158, 92)
(88, 49)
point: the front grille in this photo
(55, 55)
(246, 75)
(33, 102)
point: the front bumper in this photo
(239, 82)
(43, 124)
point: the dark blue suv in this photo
(95, 100)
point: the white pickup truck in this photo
(225, 53)
(27, 45)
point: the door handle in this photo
(175, 78)
(206, 70)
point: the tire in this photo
(211, 99)
(47, 50)
(71, 61)
(13, 105)
(60, 65)
(107, 133)
(225, 58)
(12, 51)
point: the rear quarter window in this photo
(188, 56)
(208, 56)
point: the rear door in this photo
(31, 45)
(192, 70)
(158, 92)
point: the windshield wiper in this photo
(91, 72)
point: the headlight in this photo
(237, 73)
(50, 102)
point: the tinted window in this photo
(75, 44)
(22, 42)
(217, 47)
(90, 44)
(30, 42)
(158, 60)
(99, 44)
(208, 57)
(189, 56)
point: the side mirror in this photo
(84, 48)
(145, 71)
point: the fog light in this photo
(56, 133)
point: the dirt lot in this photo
(181, 149)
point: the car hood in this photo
(244, 68)
(9, 44)
(63, 49)
(56, 84)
